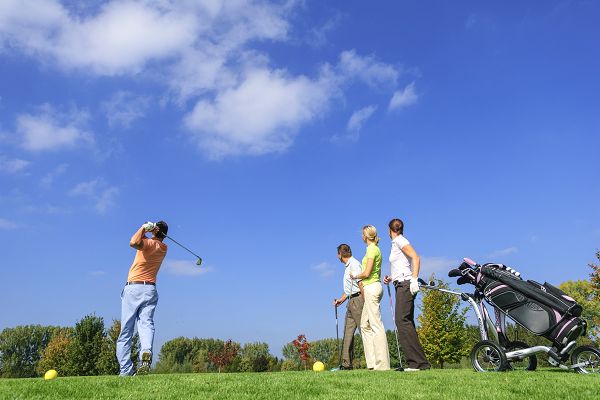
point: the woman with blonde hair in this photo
(372, 330)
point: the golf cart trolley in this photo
(544, 310)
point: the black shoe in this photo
(345, 368)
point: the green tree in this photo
(595, 277)
(255, 357)
(88, 339)
(442, 327)
(326, 351)
(57, 355)
(21, 348)
(584, 293)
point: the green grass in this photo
(435, 384)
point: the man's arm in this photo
(136, 240)
(341, 300)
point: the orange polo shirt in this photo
(147, 261)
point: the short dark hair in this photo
(163, 228)
(344, 250)
(396, 225)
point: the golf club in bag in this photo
(400, 368)
(542, 309)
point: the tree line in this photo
(88, 348)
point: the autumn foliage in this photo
(302, 345)
(225, 356)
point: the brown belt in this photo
(140, 283)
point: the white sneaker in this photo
(411, 369)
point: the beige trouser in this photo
(371, 328)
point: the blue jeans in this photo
(138, 303)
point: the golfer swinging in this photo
(139, 296)
(352, 291)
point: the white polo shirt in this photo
(351, 286)
(400, 267)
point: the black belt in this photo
(354, 295)
(140, 283)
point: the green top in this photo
(374, 253)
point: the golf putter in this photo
(400, 368)
(337, 336)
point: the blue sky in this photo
(266, 134)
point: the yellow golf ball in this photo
(51, 374)
(318, 366)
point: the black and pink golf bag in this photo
(542, 309)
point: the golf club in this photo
(337, 337)
(198, 262)
(400, 368)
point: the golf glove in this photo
(414, 286)
(149, 226)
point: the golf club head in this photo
(199, 261)
(454, 272)
(431, 283)
(462, 280)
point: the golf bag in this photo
(540, 308)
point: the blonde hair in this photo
(370, 233)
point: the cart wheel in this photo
(487, 356)
(588, 356)
(525, 363)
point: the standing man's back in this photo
(140, 297)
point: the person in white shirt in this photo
(405, 265)
(356, 301)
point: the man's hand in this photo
(337, 302)
(387, 279)
(414, 285)
(149, 226)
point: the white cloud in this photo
(324, 269)
(259, 116)
(438, 266)
(359, 117)
(6, 224)
(124, 108)
(404, 98)
(503, 252)
(12, 165)
(51, 176)
(204, 51)
(367, 69)
(102, 195)
(51, 130)
(186, 268)
(121, 38)
(96, 273)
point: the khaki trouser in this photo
(371, 327)
(353, 315)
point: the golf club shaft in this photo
(395, 326)
(337, 333)
(169, 237)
